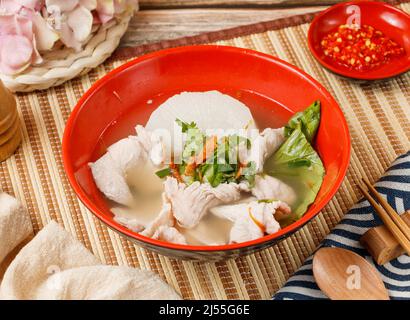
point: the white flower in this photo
(72, 19)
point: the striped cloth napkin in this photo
(395, 186)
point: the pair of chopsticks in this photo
(392, 220)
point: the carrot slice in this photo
(257, 222)
(208, 149)
(190, 168)
(239, 172)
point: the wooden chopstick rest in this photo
(381, 244)
(387, 220)
(404, 228)
(10, 132)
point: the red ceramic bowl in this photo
(273, 89)
(393, 22)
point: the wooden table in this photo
(169, 19)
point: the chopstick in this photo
(389, 222)
(393, 214)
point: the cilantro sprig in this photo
(222, 164)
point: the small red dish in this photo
(393, 22)
(273, 89)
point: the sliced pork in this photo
(109, 171)
(134, 225)
(267, 187)
(190, 203)
(169, 234)
(252, 220)
(262, 147)
(126, 155)
(164, 218)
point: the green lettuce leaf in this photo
(308, 121)
(297, 163)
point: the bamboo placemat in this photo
(378, 115)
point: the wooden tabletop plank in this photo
(230, 3)
(155, 25)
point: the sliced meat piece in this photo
(262, 147)
(164, 218)
(126, 154)
(133, 224)
(189, 203)
(267, 187)
(110, 180)
(152, 143)
(230, 211)
(230, 192)
(169, 234)
(252, 220)
(145, 137)
(111, 169)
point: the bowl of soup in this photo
(206, 152)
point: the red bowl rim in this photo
(340, 71)
(117, 227)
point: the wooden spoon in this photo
(344, 275)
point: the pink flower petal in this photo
(61, 5)
(105, 9)
(14, 24)
(9, 6)
(16, 53)
(44, 35)
(18, 45)
(31, 4)
(80, 20)
(67, 37)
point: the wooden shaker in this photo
(381, 244)
(10, 132)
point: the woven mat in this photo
(378, 115)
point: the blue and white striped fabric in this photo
(395, 185)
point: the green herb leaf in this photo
(209, 173)
(250, 180)
(218, 179)
(222, 166)
(235, 140)
(225, 168)
(194, 143)
(185, 126)
(267, 200)
(164, 173)
(250, 169)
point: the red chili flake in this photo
(175, 171)
(360, 48)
